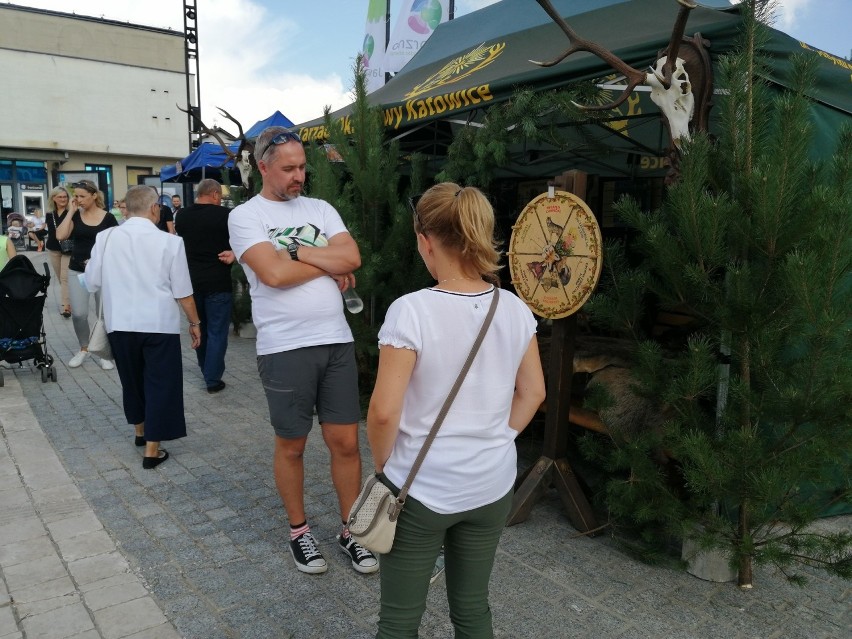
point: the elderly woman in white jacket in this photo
(144, 280)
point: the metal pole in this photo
(190, 42)
(387, 37)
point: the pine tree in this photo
(754, 244)
(365, 189)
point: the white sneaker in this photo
(77, 360)
(107, 365)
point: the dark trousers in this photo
(470, 543)
(151, 373)
(214, 311)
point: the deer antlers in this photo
(208, 131)
(243, 159)
(635, 77)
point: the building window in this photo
(6, 170)
(31, 172)
(135, 174)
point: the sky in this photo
(297, 56)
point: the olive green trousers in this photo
(470, 543)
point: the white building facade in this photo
(84, 95)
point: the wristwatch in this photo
(293, 250)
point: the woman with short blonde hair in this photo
(59, 205)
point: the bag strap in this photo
(101, 296)
(396, 508)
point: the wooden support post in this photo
(552, 466)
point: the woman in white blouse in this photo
(461, 496)
(141, 273)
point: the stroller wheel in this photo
(2, 381)
(51, 373)
(44, 375)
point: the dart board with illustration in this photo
(555, 254)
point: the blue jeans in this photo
(214, 311)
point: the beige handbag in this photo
(98, 340)
(372, 519)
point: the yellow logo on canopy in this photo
(459, 68)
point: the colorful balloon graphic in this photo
(425, 16)
(367, 49)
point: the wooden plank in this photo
(578, 509)
(537, 480)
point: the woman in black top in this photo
(57, 210)
(82, 227)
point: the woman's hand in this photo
(529, 388)
(66, 227)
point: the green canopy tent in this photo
(480, 59)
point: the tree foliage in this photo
(755, 244)
(478, 150)
(365, 188)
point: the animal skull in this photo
(677, 102)
(244, 166)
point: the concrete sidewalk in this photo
(199, 544)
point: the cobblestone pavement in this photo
(93, 546)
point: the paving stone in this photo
(38, 571)
(33, 608)
(23, 528)
(8, 624)
(45, 590)
(105, 597)
(27, 550)
(218, 514)
(163, 631)
(87, 544)
(59, 623)
(99, 567)
(131, 617)
(73, 526)
(113, 581)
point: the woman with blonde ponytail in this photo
(462, 493)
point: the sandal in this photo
(66, 312)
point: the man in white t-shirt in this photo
(298, 257)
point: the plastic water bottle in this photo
(353, 301)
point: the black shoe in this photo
(307, 556)
(362, 559)
(139, 441)
(152, 462)
(216, 387)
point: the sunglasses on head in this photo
(281, 138)
(86, 186)
(412, 204)
(415, 199)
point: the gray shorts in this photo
(325, 377)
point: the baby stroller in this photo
(23, 293)
(18, 234)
